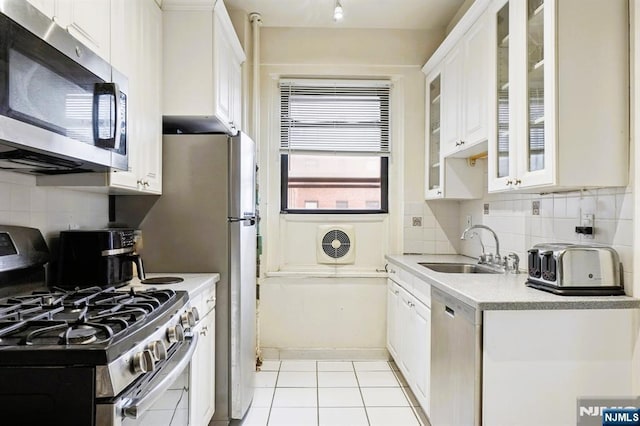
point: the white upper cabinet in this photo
(48, 7)
(445, 178)
(86, 20)
(137, 52)
(465, 71)
(457, 103)
(559, 117)
(204, 89)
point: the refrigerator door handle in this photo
(249, 219)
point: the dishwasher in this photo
(456, 361)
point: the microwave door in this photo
(60, 100)
(106, 117)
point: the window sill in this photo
(326, 274)
(334, 217)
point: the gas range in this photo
(93, 325)
(93, 355)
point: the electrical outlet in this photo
(587, 221)
(486, 208)
(416, 221)
(468, 221)
(535, 208)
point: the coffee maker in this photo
(102, 257)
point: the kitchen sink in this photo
(459, 268)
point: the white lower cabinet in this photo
(421, 328)
(202, 375)
(537, 364)
(409, 335)
(393, 297)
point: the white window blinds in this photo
(345, 116)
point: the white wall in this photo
(49, 209)
(311, 307)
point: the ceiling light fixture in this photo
(338, 13)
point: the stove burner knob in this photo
(143, 362)
(175, 334)
(196, 315)
(188, 319)
(158, 350)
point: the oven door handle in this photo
(137, 407)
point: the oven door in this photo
(159, 397)
(52, 104)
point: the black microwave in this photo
(63, 109)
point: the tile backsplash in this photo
(432, 227)
(512, 217)
(49, 209)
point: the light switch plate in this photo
(535, 208)
(587, 220)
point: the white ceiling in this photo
(399, 14)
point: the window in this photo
(334, 146)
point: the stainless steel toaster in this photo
(575, 269)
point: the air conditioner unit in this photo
(336, 244)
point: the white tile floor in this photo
(332, 393)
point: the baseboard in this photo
(326, 354)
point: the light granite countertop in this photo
(500, 291)
(193, 283)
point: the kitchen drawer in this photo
(406, 279)
(393, 272)
(205, 301)
(422, 291)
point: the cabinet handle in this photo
(146, 183)
(439, 192)
(204, 330)
(517, 182)
(509, 182)
(211, 300)
(140, 182)
(396, 292)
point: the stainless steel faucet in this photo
(509, 263)
(495, 237)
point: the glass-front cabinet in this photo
(432, 172)
(445, 177)
(554, 125)
(502, 162)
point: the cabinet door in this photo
(45, 6)
(203, 373)
(236, 95)
(137, 52)
(434, 169)
(222, 68)
(406, 333)
(392, 318)
(475, 76)
(150, 73)
(502, 161)
(421, 322)
(452, 100)
(88, 21)
(536, 158)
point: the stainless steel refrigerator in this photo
(205, 221)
